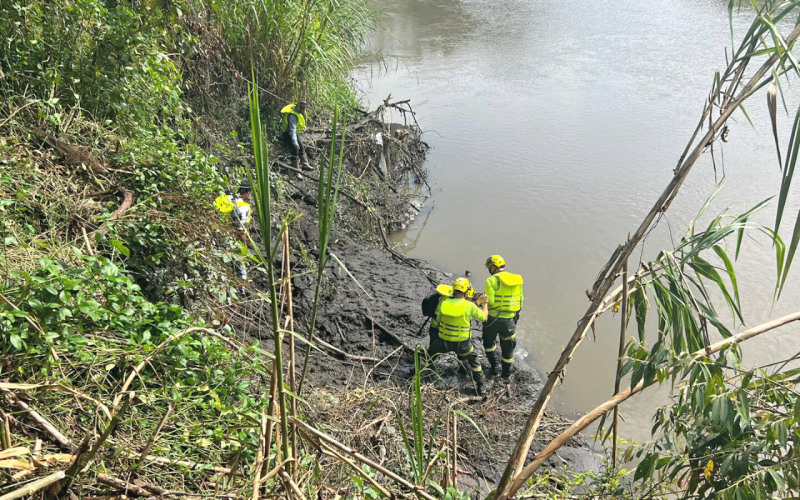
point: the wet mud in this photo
(370, 321)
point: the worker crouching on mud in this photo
(293, 118)
(430, 308)
(504, 295)
(454, 319)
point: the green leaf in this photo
(790, 256)
(16, 341)
(731, 274)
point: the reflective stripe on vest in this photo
(301, 120)
(508, 298)
(453, 324)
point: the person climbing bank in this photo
(454, 318)
(294, 124)
(504, 295)
(241, 214)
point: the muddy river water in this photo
(554, 126)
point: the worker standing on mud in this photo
(454, 318)
(504, 295)
(294, 124)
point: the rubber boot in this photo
(479, 388)
(295, 162)
(494, 363)
(506, 371)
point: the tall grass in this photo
(299, 48)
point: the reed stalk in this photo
(262, 198)
(327, 195)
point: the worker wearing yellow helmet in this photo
(293, 124)
(454, 317)
(430, 308)
(504, 296)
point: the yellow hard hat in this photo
(462, 285)
(445, 290)
(495, 260)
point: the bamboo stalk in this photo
(152, 439)
(622, 330)
(292, 485)
(447, 475)
(135, 370)
(181, 463)
(47, 426)
(290, 318)
(75, 470)
(603, 284)
(455, 450)
(123, 485)
(259, 457)
(604, 408)
(5, 431)
(356, 468)
(274, 471)
(361, 458)
(271, 412)
(34, 486)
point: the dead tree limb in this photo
(612, 403)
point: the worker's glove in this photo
(481, 300)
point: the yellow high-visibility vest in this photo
(301, 120)
(507, 299)
(454, 323)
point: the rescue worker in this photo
(454, 319)
(430, 308)
(293, 126)
(240, 215)
(504, 295)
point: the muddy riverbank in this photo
(370, 324)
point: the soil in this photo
(372, 309)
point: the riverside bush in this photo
(96, 320)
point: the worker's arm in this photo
(483, 313)
(489, 290)
(292, 119)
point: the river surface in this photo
(554, 127)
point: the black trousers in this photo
(506, 329)
(464, 351)
(287, 139)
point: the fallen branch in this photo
(612, 403)
(355, 467)
(182, 463)
(152, 440)
(127, 202)
(138, 368)
(387, 332)
(47, 426)
(342, 353)
(34, 486)
(55, 387)
(73, 154)
(361, 458)
(128, 488)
